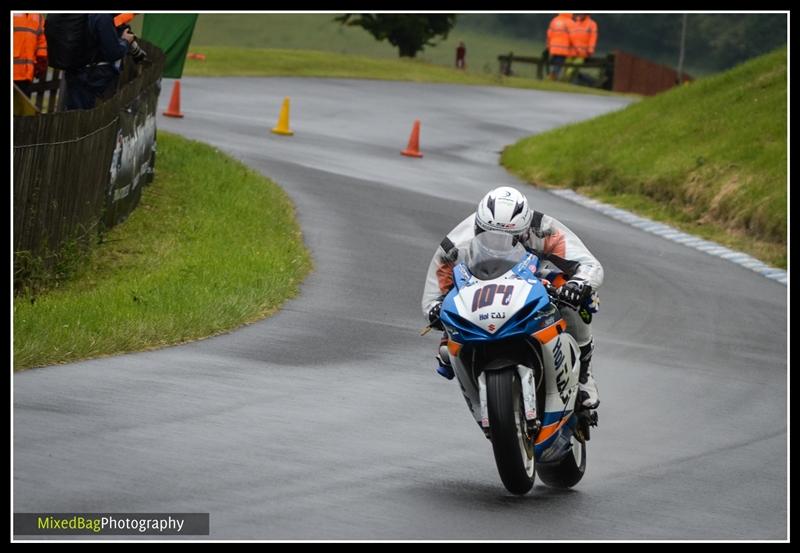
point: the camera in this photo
(138, 55)
(136, 51)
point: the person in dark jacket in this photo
(98, 79)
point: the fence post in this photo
(608, 84)
(683, 49)
(62, 91)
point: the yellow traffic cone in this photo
(283, 120)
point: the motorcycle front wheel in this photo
(513, 448)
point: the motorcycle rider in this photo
(559, 250)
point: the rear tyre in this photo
(513, 451)
(568, 471)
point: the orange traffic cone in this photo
(283, 120)
(413, 142)
(174, 109)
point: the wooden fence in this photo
(543, 66)
(46, 93)
(619, 71)
(62, 160)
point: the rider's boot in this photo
(587, 387)
(445, 368)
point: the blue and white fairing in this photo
(509, 300)
(515, 303)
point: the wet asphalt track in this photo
(327, 421)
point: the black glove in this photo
(433, 316)
(574, 292)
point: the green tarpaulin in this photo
(172, 32)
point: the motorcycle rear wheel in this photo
(513, 450)
(568, 471)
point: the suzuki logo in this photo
(491, 328)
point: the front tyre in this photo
(513, 449)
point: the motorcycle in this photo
(517, 367)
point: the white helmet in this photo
(504, 209)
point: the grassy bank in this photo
(709, 157)
(222, 61)
(213, 245)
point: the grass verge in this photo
(213, 245)
(224, 61)
(709, 158)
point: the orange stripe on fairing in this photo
(547, 334)
(549, 430)
(453, 348)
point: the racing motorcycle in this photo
(517, 367)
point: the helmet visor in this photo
(492, 253)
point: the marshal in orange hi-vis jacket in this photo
(30, 46)
(584, 35)
(559, 36)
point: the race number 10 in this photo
(484, 297)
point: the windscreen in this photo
(492, 253)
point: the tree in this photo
(410, 33)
